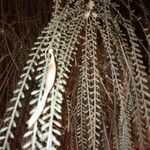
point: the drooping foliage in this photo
(101, 80)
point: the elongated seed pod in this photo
(50, 78)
